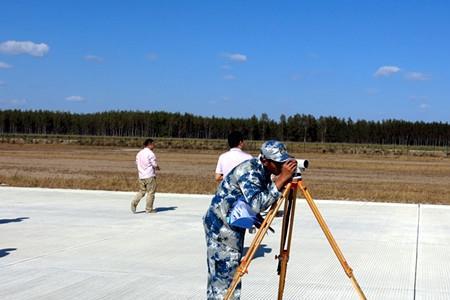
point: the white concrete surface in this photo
(69, 244)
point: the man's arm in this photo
(218, 177)
(219, 171)
(152, 161)
(261, 197)
(285, 176)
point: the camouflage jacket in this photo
(249, 180)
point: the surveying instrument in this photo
(289, 199)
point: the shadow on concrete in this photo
(279, 214)
(16, 220)
(4, 252)
(262, 250)
(161, 209)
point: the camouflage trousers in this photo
(222, 263)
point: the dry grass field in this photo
(368, 177)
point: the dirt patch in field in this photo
(409, 179)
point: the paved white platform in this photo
(69, 244)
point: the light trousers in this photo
(146, 186)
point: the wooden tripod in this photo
(289, 198)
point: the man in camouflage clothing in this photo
(251, 182)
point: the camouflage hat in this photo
(275, 150)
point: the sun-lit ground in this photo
(78, 244)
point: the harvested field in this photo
(399, 178)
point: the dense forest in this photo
(298, 127)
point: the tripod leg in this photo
(286, 236)
(286, 219)
(245, 262)
(331, 240)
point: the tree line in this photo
(297, 127)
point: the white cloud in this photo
(416, 76)
(229, 77)
(296, 77)
(4, 65)
(152, 56)
(372, 91)
(386, 71)
(420, 101)
(236, 57)
(93, 58)
(75, 98)
(13, 101)
(24, 47)
(223, 99)
(2, 83)
(418, 98)
(226, 67)
(313, 55)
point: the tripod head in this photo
(302, 165)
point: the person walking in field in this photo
(250, 189)
(147, 166)
(230, 159)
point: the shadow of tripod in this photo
(289, 199)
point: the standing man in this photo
(249, 184)
(147, 166)
(229, 160)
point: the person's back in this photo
(230, 159)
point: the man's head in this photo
(273, 155)
(235, 138)
(149, 143)
(275, 150)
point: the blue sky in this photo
(370, 60)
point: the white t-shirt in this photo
(146, 163)
(230, 159)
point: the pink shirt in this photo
(229, 160)
(146, 163)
